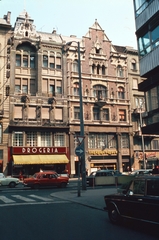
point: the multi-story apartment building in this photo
(147, 32)
(43, 102)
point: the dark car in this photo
(139, 201)
(47, 178)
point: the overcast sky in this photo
(74, 17)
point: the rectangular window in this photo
(106, 114)
(135, 84)
(1, 154)
(32, 87)
(58, 62)
(32, 61)
(46, 139)
(101, 141)
(25, 60)
(45, 113)
(32, 139)
(124, 140)
(25, 86)
(18, 139)
(122, 115)
(59, 140)
(96, 114)
(44, 85)
(32, 113)
(18, 60)
(45, 61)
(58, 87)
(76, 113)
(52, 62)
(18, 112)
(155, 144)
(58, 114)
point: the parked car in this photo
(8, 181)
(47, 178)
(139, 201)
(141, 172)
(91, 178)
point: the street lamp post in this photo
(142, 139)
(82, 158)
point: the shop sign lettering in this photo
(38, 150)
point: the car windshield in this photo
(35, 175)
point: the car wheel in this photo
(12, 184)
(36, 186)
(63, 185)
(113, 214)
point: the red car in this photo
(47, 178)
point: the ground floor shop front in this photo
(25, 161)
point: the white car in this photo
(8, 181)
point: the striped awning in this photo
(39, 159)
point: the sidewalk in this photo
(92, 197)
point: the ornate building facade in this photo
(44, 102)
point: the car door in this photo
(131, 203)
(53, 179)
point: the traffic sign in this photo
(79, 151)
(80, 139)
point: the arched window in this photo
(45, 61)
(103, 70)
(93, 69)
(98, 69)
(120, 71)
(133, 64)
(99, 91)
(76, 89)
(75, 66)
(121, 93)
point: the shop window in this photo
(59, 140)
(18, 139)
(76, 113)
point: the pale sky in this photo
(74, 17)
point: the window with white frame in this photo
(46, 139)
(31, 139)
(59, 139)
(18, 139)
